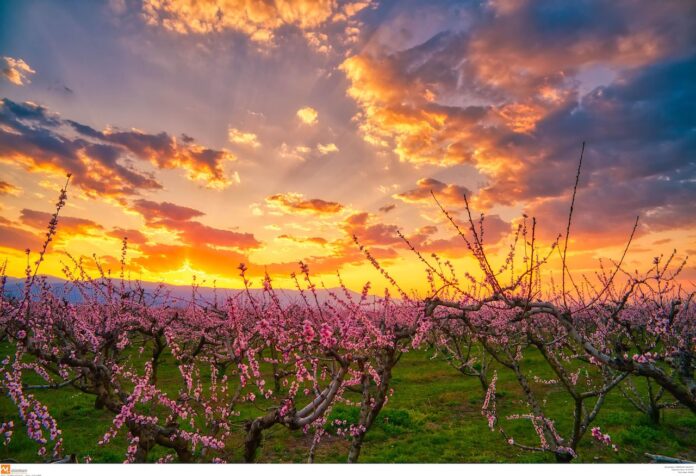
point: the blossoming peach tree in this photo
(594, 338)
(255, 361)
(114, 342)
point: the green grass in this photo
(433, 417)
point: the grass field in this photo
(433, 417)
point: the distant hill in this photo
(14, 288)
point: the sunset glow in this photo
(217, 132)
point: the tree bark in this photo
(254, 434)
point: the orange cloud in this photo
(521, 117)
(397, 113)
(16, 70)
(319, 42)
(514, 95)
(134, 236)
(8, 189)
(166, 152)
(315, 240)
(447, 194)
(17, 238)
(156, 211)
(196, 234)
(101, 161)
(258, 20)
(296, 203)
(363, 226)
(66, 225)
(178, 219)
(238, 137)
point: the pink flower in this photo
(308, 332)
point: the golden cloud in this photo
(308, 115)
(399, 115)
(133, 236)
(16, 70)
(8, 189)
(257, 19)
(294, 153)
(314, 240)
(238, 137)
(327, 148)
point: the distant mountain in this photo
(14, 287)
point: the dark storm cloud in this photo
(519, 87)
(641, 157)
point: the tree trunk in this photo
(184, 455)
(99, 402)
(368, 413)
(654, 414)
(355, 448)
(254, 435)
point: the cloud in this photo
(319, 42)
(461, 95)
(294, 203)
(314, 240)
(639, 160)
(447, 194)
(605, 210)
(134, 236)
(259, 20)
(308, 115)
(297, 153)
(197, 234)
(514, 90)
(67, 226)
(238, 137)
(16, 70)
(494, 227)
(101, 161)
(178, 219)
(8, 189)
(327, 148)
(363, 226)
(165, 152)
(387, 208)
(154, 212)
(17, 238)
(662, 241)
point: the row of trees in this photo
(290, 364)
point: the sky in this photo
(217, 132)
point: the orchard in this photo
(171, 380)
